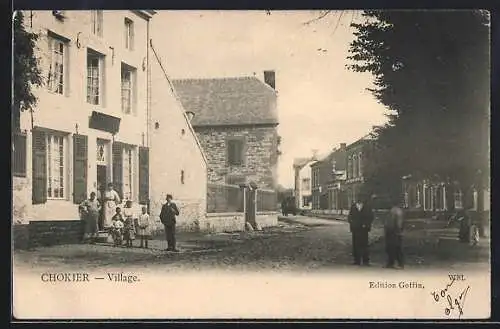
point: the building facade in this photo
(92, 123)
(357, 161)
(327, 178)
(236, 122)
(303, 182)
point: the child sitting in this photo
(117, 227)
(144, 228)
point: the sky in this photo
(320, 103)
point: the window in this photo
(306, 184)
(360, 172)
(182, 176)
(419, 196)
(55, 167)
(349, 167)
(127, 87)
(458, 199)
(129, 34)
(94, 78)
(96, 22)
(354, 165)
(56, 78)
(127, 173)
(101, 153)
(235, 149)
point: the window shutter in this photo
(143, 175)
(39, 163)
(19, 155)
(118, 168)
(80, 146)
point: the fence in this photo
(224, 198)
(267, 200)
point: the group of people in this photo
(123, 224)
(360, 220)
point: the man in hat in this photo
(360, 222)
(167, 216)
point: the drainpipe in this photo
(148, 114)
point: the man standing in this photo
(393, 229)
(360, 221)
(167, 216)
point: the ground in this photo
(297, 244)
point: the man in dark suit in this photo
(360, 222)
(167, 216)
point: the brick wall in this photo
(261, 153)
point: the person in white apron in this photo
(111, 200)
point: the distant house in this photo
(328, 174)
(357, 155)
(236, 122)
(303, 182)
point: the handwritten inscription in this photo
(454, 301)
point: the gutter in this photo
(177, 98)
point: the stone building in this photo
(236, 122)
(93, 121)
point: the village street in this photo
(297, 244)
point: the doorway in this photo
(101, 187)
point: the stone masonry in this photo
(260, 153)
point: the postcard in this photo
(328, 164)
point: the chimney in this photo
(343, 146)
(270, 78)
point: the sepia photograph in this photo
(250, 164)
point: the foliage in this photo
(26, 69)
(431, 70)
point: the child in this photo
(144, 228)
(117, 227)
(129, 229)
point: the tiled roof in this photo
(228, 101)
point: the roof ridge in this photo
(219, 78)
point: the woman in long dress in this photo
(90, 210)
(111, 200)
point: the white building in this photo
(303, 183)
(101, 117)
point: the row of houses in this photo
(108, 112)
(334, 182)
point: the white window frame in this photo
(96, 22)
(128, 179)
(354, 166)
(349, 167)
(130, 89)
(92, 75)
(458, 199)
(129, 33)
(57, 166)
(57, 81)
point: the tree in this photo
(26, 70)
(431, 70)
